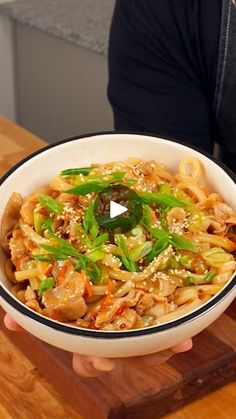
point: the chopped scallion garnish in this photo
(77, 171)
(51, 204)
(97, 186)
(45, 285)
(124, 254)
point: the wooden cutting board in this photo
(138, 390)
(135, 389)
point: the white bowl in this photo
(42, 166)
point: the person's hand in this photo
(92, 366)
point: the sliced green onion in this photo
(96, 255)
(38, 222)
(100, 240)
(86, 188)
(77, 171)
(165, 188)
(147, 222)
(189, 280)
(129, 182)
(45, 285)
(93, 186)
(124, 254)
(192, 280)
(89, 222)
(60, 252)
(159, 233)
(137, 231)
(93, 272)
(216, 256)
(48, 226)
(42, 258)
(63, 251)
(140, 251)
(82, 236)
(90, 268)
(180, 242)
(185, 198)
(209, 276)
(51, 204)
(161, 199)
(157, 249)
(163, 216)
(172, 263)
(186, 261)
(34, 283)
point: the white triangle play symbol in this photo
(116, 209)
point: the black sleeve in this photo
(157, 83)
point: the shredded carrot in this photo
(232, 237)
(120, 310)
(54, 193)
(19, 262)
(106, 302)
(205, 190)
(73, 199)
(49, 270)
(153, 177)
(84, 276)
(109, 287)
(30, 245)
(43, 212)
(88, 287)
(56, 314)
(63, 271)
(108, 298)
(18, 234)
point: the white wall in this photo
(5, 1)
(7, 88)
(61, 87)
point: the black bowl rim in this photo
(98, 334)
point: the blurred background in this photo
(53, 72)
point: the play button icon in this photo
(118, 208)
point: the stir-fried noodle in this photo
(65, 266)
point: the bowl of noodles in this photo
(98, 288)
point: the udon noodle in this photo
(63, 265)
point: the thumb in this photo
(11, 324)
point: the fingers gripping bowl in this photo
(134, 292)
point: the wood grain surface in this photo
(15, 144)
(37, 380)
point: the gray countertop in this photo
(82, 22)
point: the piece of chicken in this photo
(10, 218)
(65, 302)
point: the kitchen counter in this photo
(55, 49)
(82, 22)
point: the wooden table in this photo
(28, 392)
